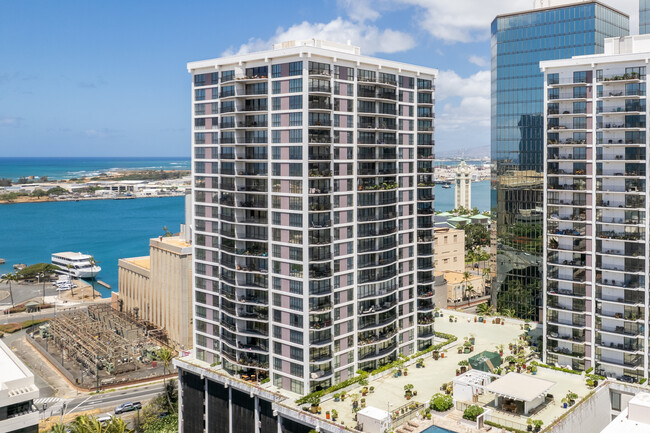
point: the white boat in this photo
(79, 265)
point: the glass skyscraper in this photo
(519, 42)
(644, 16)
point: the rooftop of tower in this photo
(541, 5)
(307, 48)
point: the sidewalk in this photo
(41, 367)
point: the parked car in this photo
(128, 407)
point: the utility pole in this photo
(97, 370)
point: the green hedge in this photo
(565, 370)
(364, 375)
(473, 411)
(512, 429)
(441, 402)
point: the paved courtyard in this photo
(389, 391)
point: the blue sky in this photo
(109, 78)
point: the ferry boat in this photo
(80, 266)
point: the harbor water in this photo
(106, 229)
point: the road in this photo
(45, 314)
(24, 292)
(106, 401)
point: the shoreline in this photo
(23, 200)
(112, 185)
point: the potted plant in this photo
(363, 402)
(408, 393)
(406, 371)
(533, 370)
(472, 339)
(463, 365)
(327, 415)
(529, 424)
(364, 391)
(355, 400)
(342, 395)
(565, 402)
(571, 396)
(335, 414)
(435, 355)
(372, 389)
(337, 396)
(537, 423)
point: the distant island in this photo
(121, 184)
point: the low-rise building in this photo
(449, 251)
(157, 288)
(459, 288)
(17, 394)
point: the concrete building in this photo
(635, 418)
(17, 394)
(314, 180)
(463, 187)
(596, 207)
(553, 29)
(449, 254)
(644, 17)
(158, 287)
(459, 289)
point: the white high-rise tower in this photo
(463, 186)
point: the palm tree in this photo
(58, 428)
(93, 262)
(469, 289)
(7, 279)
(485, 309)
(487, 274)
(165, 355)
(90, 424)
(69, 266)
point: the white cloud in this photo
(479, 61)
(462, 110)
(450, 84)
(100, 133)
(464, 20)
(370, 38)
(10, 121)
(360, 10)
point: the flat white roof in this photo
(374, 413)
(71, 255)
(299, 48)
(9, 366)
(520, 387)
(633, 419)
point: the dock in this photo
(101, 283)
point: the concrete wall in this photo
(595, 413)
(449, 250)
(161, 288)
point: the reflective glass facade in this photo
(519, 43)
(644, 16)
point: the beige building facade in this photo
(158, 288)
(456, 287)
(449, 251)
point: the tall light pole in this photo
(42, 277)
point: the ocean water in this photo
(67, 168)
(106, 229)
(480, 196)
